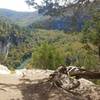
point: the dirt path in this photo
(27, 86)
(11, 86)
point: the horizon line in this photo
(17, 10)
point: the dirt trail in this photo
(12, 85)
(28, 86)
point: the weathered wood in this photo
(78, 72)
(87, 75)
(63, 77)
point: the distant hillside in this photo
(20, 18)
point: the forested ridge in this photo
(71, 42)
(52, 53)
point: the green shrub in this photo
(47, 56)
(82, 54)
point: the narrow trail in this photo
(31, 87)
(15, 87)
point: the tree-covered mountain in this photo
(49, 48)
(20, 18)
(36, 20)
(13, 43)
(67, 18)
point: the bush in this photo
(81, 55)
(47, 56)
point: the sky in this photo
(17, 5)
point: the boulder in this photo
(4, 70)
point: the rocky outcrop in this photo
(55, 85)
(4, 70)
(37, 84)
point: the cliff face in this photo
(3, 44)
(6, 43)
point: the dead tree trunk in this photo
(87, 75)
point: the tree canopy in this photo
(57, 7)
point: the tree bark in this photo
(99, 51)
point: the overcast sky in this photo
(18, 5)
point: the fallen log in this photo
(86, 75)
(68, 78)
(78, 72)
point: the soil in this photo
(32, 86)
